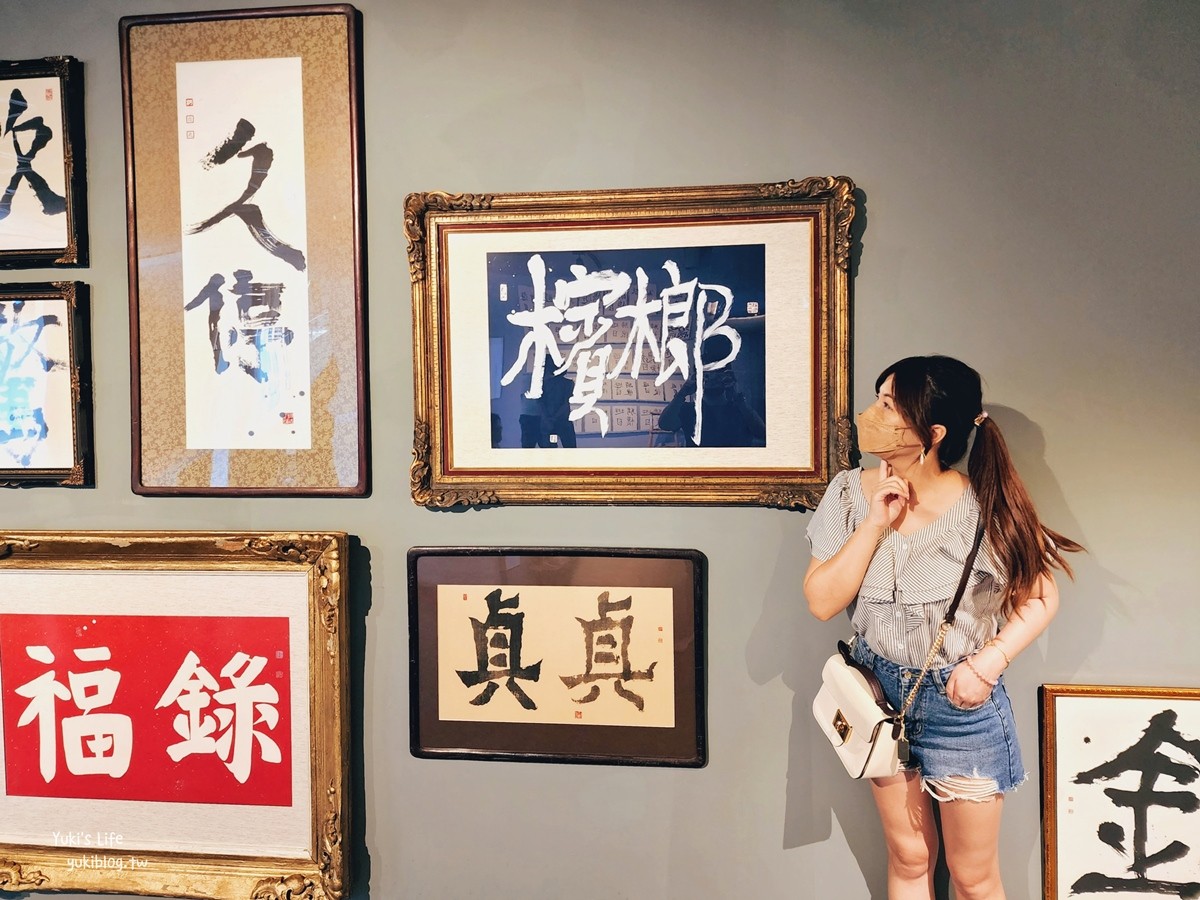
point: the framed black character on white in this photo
(43, 207)
(1121, 809)
(580, 655)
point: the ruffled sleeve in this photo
(834, 520)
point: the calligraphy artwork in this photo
(245, 266)
(563, 654)
(43, 208)
(570, 655)
(1121, 781)
(615, 348)
(173, 697)
(45, 398)
(178, 708)
(245, 306)
(681, 345)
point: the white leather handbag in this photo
(854, 714)
(856, 718)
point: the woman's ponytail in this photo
(1024, 547)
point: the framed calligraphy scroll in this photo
(244, 183)
(45, 385)
(558, 655)
(174, 714)
(43, 210)
(1120, 806)
(680, 345)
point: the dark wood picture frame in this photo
(605, 612)
(1118, 784)
(271, 397)
(30, 134)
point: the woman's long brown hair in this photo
(940, 390)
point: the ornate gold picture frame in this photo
(174, 714)
(673, 346)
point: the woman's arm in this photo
(966, 685)
(830, 585)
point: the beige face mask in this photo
(877, 436)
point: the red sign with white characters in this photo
(180, 709)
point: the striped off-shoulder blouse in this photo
(912, 578)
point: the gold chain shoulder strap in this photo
(946, 623)
(933, 652)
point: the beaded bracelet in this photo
(994, 642)
(977, 674)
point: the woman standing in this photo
(889, 546)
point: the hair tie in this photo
(979, 418)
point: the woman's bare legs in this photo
(911, 835)
(971, 831)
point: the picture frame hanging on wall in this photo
(1120, 807)
(174, 711)
(572, 655)
(672, 345)
(43, 164)
(244, 174)
(45, 385)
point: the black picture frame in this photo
(448, 718)
(23, 244)
(45, 342)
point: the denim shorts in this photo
(947, 741)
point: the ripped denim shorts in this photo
(957, 751)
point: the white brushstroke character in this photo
(641, 330)
(683, 307)
(679, 300)
(231, 732)
(539, 341)
(93, 743)
(580, 325)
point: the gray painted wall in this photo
(1030, 172)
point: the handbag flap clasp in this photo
(841, 726)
